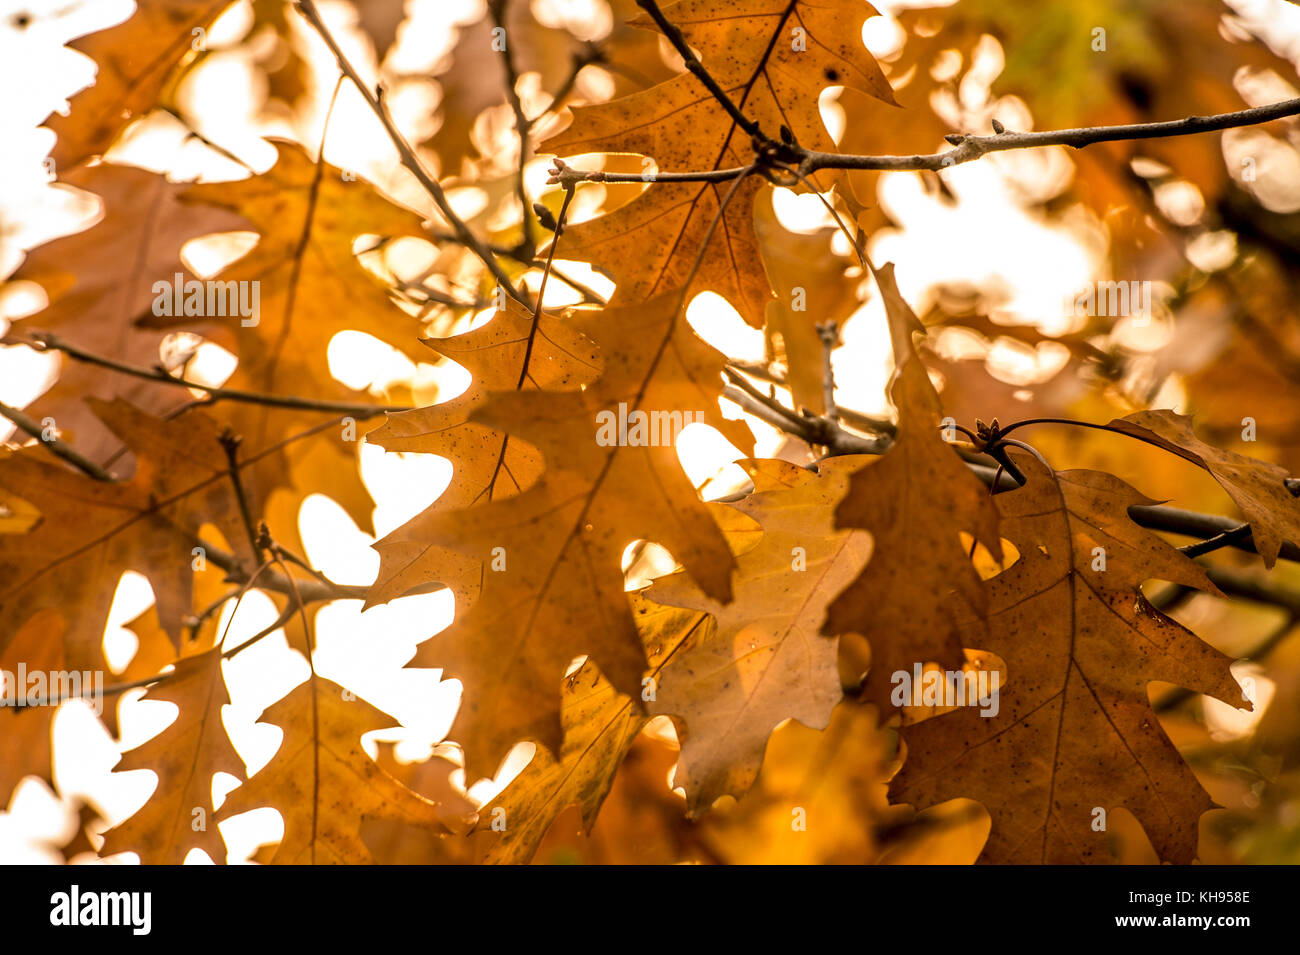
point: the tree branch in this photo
(590, 54)
(497, 10)
(54, 444)
(810, 428)
(973, 147)
(43, 341)
(693, 64)
(313, 591)
(1209, 528)
(862, 422)
(969, 147)
(374, 98)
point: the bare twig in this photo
(693, 64)
(855, 419)
(55, 444)
(569, 175)
(1218, 540)
(591, 53)
(825, 432)
(374, 99)
(497, 10)
(969, 147)
(42, 341)
(829, 334)
(973, 147)
(313, 591)
(1256, 587)
(230, 445)
(541, 291)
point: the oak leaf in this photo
(818, 799)
(774, 58)
(25, 740)
(323, 782)
(311, 287)
(510, 351)
(135, 59)
(764, 660)
(185, 756)
(556, 591)
(91, 531)
(599, 725)
(1258, 487)
(920, 599)
(94, 302)
(1074, 731)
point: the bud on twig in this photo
(545, 218)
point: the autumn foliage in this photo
(759, 666)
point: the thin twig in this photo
(87, 693)
(968, 147)
(810, 428)
(1253, 586)
(374, 99)
(313, 591)
(42, 341)
(856, 419)
(1218, 540)
(497, 10)
(828, 332)
(973, 147)
(230, 445)
(54, 444)
(541, 291)
(693, 64)
(590, 54)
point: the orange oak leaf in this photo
(1257, 487)
(818, 799)
(25, 741)
(765, 659)
(309, 287)
(1073, 730)
(179, 816)
(916, 600)
(510, 351)
(91, 531)
(600, 725)
(553, 587)
(322, 781)
(100, 281)
(774, 58)
(135, 59)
